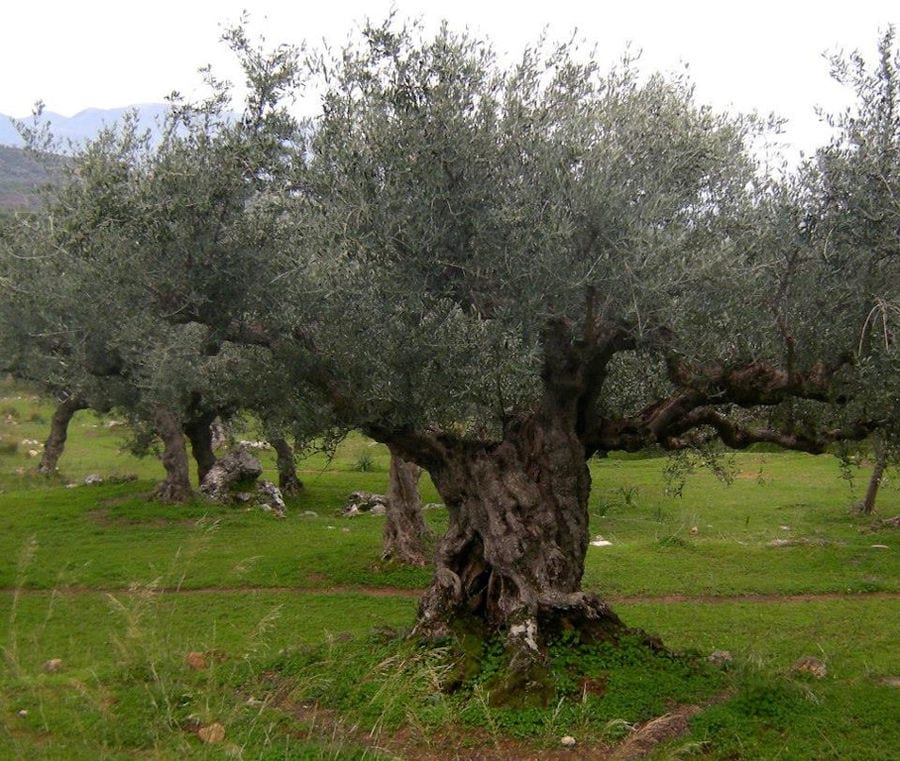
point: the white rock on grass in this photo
(599, 541)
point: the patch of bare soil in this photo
(104, 516)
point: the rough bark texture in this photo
(177, 485)
(288, 481)
(199, 433)
(59, 432)
(236, 472)
(405, 531)
(868, 505)
(513, 554)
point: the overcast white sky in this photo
(764, 55)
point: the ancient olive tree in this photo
(501, 271)
(853, 215)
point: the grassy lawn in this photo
(772, 568)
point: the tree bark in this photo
(405, 531)
(59, 432)
(177, 485)
(868, 505)
(288, 481)
(199, 433)
(511, 562)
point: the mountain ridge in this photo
(84, 124)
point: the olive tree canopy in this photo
(500, 271)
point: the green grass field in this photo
(292, 615)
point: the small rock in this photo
(720, 658)
(809, 665)
(196, 661)
(53, 665)
(567, 742)
(599, 541)
(880, 547)
(32, 453)
(694, 531)
(212, 733)
(94, 479)
(345, 530)
(22, 713)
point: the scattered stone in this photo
(720, 658)
(345, 530)
(433, 506)
(196, 661)
(364, 502)
(599, 541)
(257, 445)
(568, 741)
(802, 541)
(273, 500)
(809, 665)
(32, 453)
(94, 479)
(880, 547)
(22, 713)
(212, 733)
(53, 665)
(785, 528)
(694, 531)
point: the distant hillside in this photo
(21, 174)
(85, 124)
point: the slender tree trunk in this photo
(288, 481)
(177, 486)
(59, 432)
(868, 505)
(405, 531)
(199, 433)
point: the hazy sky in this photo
(764, 55)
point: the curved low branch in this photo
(737, 436)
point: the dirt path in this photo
(671, 599)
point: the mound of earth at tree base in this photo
(405, 697)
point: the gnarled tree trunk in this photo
(288, 481)
(199, 433)
(59, 432)
(511, 562)
(177, 485)
(405, 531)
